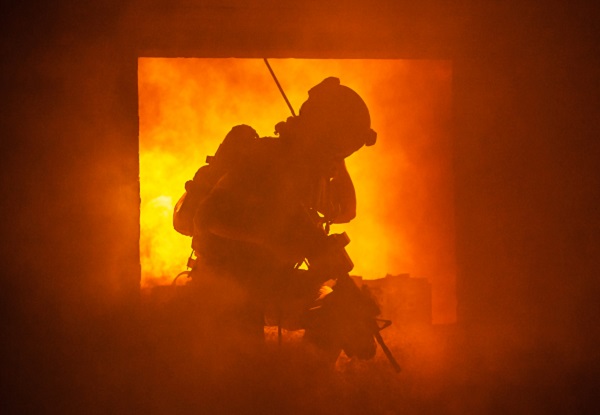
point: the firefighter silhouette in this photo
(262, 206)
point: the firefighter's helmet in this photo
(338, 117)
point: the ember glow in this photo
(404, 183)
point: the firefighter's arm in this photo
(250, 210)
(233, 211)
(229, 211)
(343, 194)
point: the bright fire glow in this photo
(404, 183)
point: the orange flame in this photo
(404, 188)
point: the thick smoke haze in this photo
(404, 184)
(516, 178)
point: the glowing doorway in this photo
(404, 184)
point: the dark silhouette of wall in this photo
(526, 163)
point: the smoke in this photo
(71, 202)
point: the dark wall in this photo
(527, 157)
(526, 128)
(70, 193)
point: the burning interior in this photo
(404, 184)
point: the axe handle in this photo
(387, 352)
